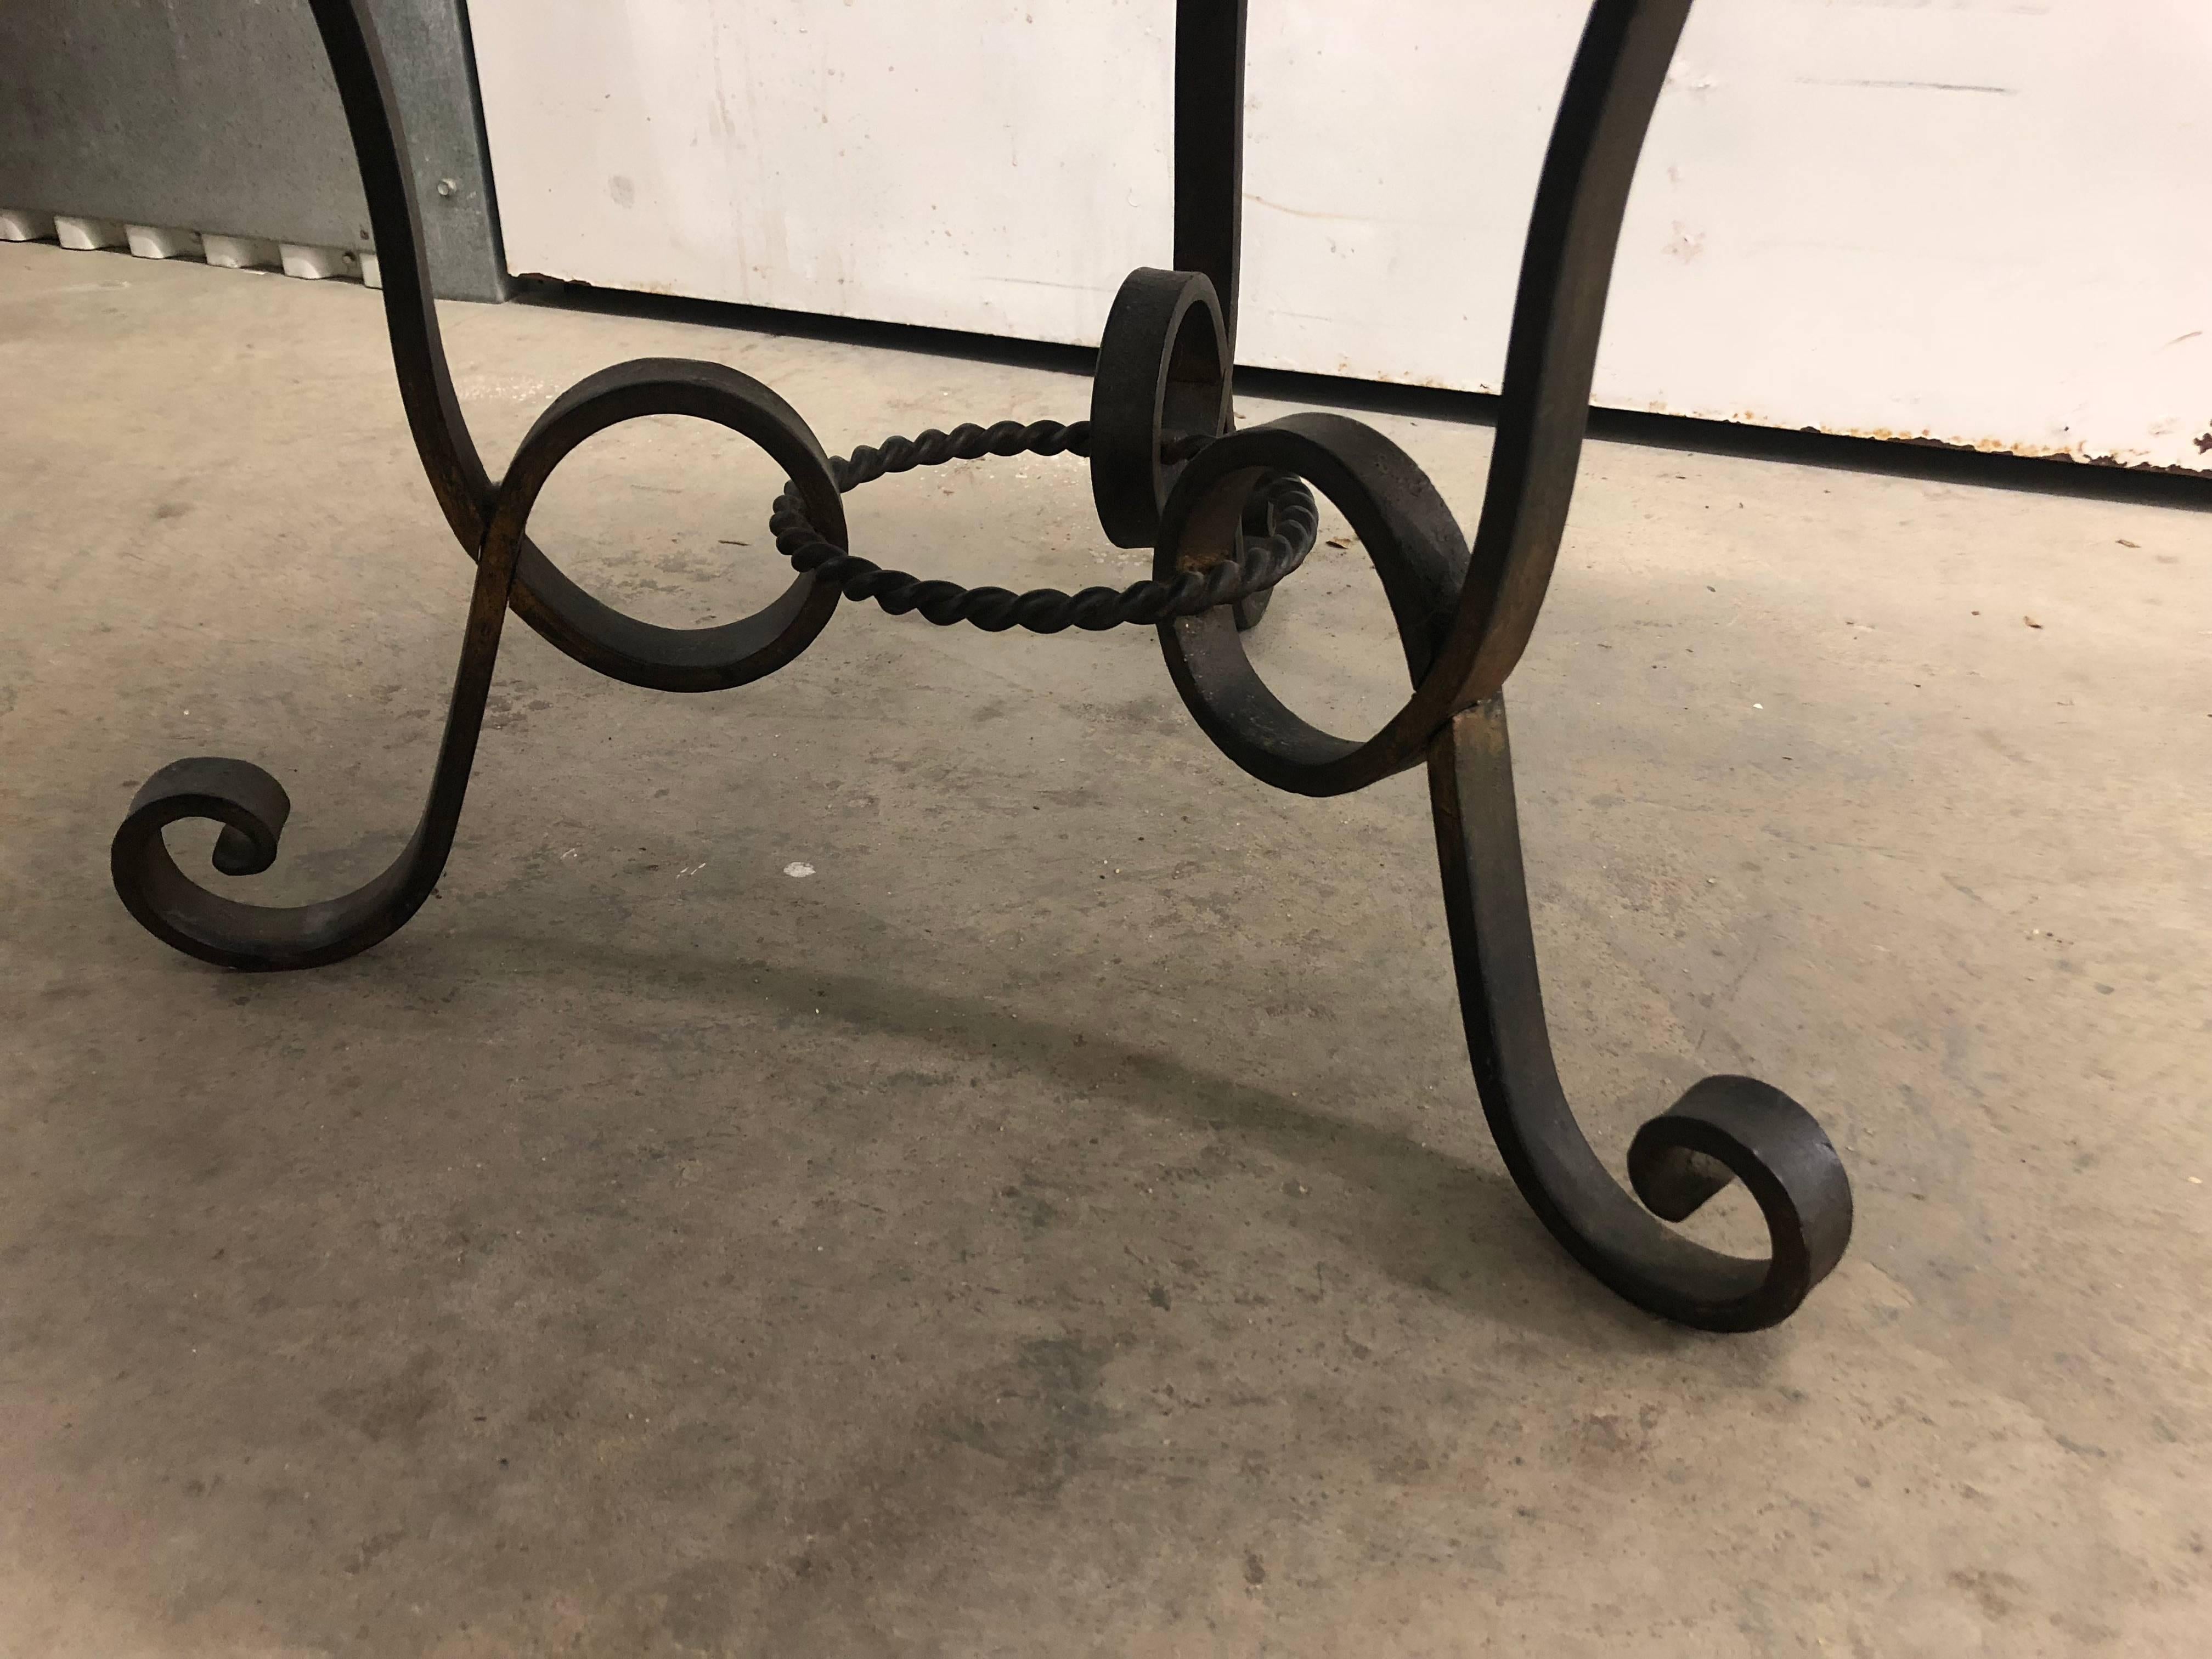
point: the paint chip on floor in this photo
(795, 868)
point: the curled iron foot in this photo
(252, 806)
(1722, 1129)
(1465, 607)
(1461, 633)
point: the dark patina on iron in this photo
(1228, 515)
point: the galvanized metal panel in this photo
(221, 115)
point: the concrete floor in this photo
(1062, 1223)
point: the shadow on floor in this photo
(1448, 1228)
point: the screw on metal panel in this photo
(447, 188)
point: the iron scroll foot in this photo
(252, 806)
(1465, 608)
(1722, 1129)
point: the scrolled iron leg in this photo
(252, 806)
(1724, 1128)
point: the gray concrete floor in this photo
(1062, 1223)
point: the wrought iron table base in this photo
(1228, 515)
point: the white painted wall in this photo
(1981, 221)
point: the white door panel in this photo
(1980, 220)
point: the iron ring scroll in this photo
(1228, 515)
(1417, 549)
(1161, 397)
(252, 805)
(1163, 380)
